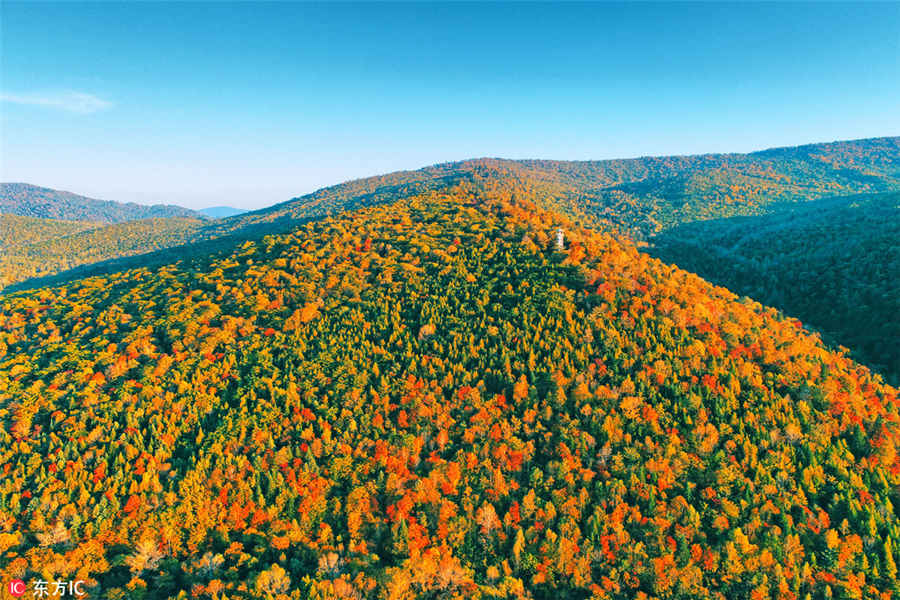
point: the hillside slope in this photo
(426, 399)
(43, 247)
(44, 203)
(16, 230)
(834, 263)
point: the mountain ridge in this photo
(25, 199)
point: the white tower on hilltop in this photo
(560, 239)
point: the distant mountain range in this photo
(29, 200)
(221, 212)
(640, 197)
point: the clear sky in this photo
(250, 104)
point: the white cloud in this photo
(76, 102)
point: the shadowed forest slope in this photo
(834, 263)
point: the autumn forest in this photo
(656, 378)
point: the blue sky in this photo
(250, 104)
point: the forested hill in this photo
(28, 200)
(427, 399)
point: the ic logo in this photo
(16, 588)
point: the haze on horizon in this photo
(249, 105)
